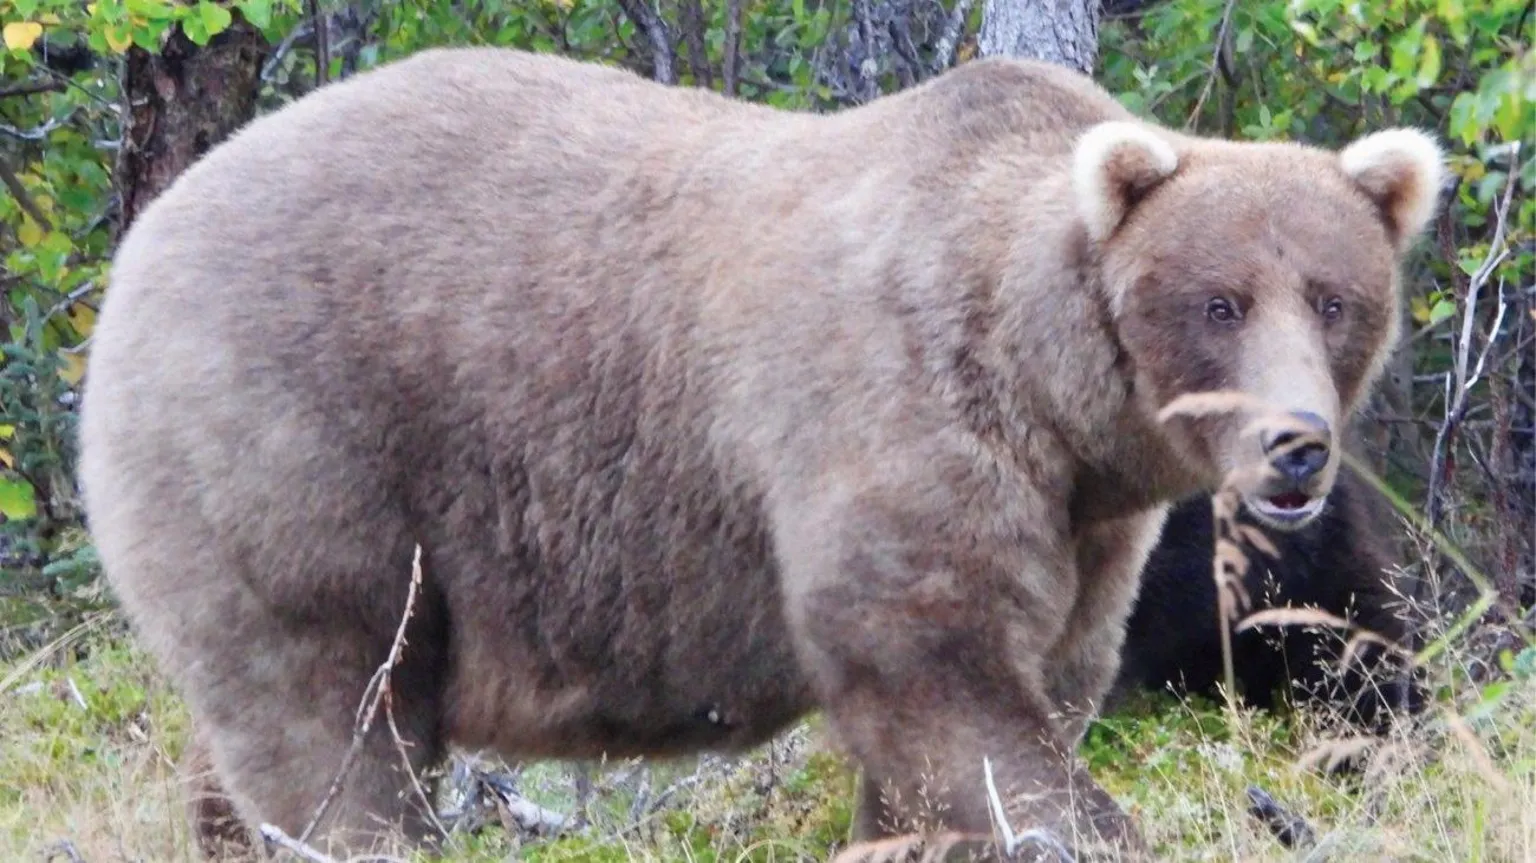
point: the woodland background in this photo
(102, 104)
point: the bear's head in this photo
(1268, 269)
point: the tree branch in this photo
(31, 89)
(692, 14)
(728, 68)
(19, 192)
(868, 65)
(1210, 79)
(651, 23)
(322, 43)
(1459, 382)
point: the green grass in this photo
(90, 735)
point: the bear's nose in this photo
(1298, 463)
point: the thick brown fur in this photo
(704, 415)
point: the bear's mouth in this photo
(1289, 509)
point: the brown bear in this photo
(1341, 563)
(705, 415)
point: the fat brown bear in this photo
(1342, 563)
(706, 415)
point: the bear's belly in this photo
(673, 652)
(747, 720)
(674, 699)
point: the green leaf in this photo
(195, 30)
(1524, 665)
(1429, 63)
(215, 17)
(1440, 311)
(1375, 79)
(1510, 120)
(1462, 121)
(17, 500)
(258, 12)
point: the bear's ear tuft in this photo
(1401, 170)
(1113, 165)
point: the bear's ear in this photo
(1113, 165)
(1402, 170)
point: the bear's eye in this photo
(1221, 310)
(1333, 309)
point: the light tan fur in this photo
(705, 415)
(1112, 163)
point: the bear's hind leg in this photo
(274, 668)
(280, 723)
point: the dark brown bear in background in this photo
(706, 415)
(1342, 563)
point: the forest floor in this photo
(90, 735)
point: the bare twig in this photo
(1459, 383)
(1210, 79)
(31, 89)
(280, 53)
(69, 300)
(373, 695)
(523, 815)
(402, 747)
(36, 133)
(995, 807)
(670, 791)
(19, 192)
(74, 692)
(273, 835)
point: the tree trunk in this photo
(179, 104)
(1058, 31)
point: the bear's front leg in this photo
(1081, 666)
(924, 601)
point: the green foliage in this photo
(58, 143)
(36, 483)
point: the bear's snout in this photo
(1301, 452)
(1297, 446)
